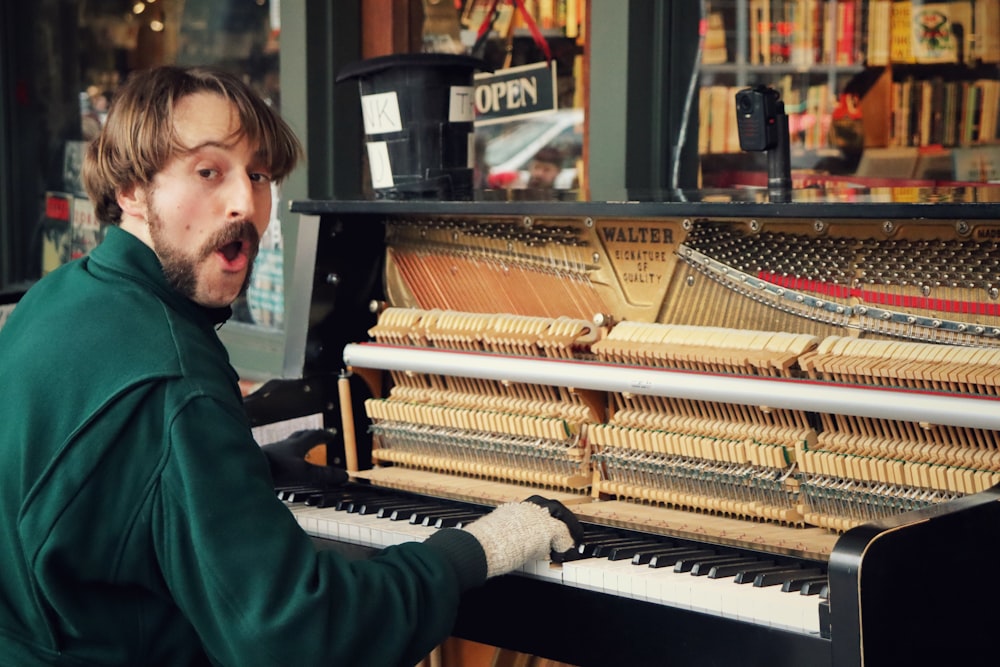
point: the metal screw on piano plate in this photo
(754, 226)
(819, 225)
(690, 281)
(332, 279)
(935, 323)
(687, 225)
(994, 293)
(888, 226)
(527, 221)
(595, 258)
(994, 332)
(911, 319)
(588, 222)
(862, 310)
(840, 310)
(886, 316)
(962, 328)
(979, 331)
(962, 227)
(799, 298)
(925, 290)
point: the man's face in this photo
(207, 207)
(542, 174)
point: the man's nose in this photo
(240, 197)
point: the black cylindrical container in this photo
(418, 111)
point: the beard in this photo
(180, 268)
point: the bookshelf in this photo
(861, 80)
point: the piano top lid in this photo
(963, 201)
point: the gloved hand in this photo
(515, 533)
(289, 466)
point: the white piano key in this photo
(720, 597)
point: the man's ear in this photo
(132, 201)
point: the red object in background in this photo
(503, 179)
(57, 208)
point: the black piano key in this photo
(738, 570)
(295, 493)
(628, 551)
(795, 584)
(589, 545)
(324, 499)
(406, 514)
(398, 512)
(606, 549)
(644, 556)
(704, 566)
(375, 505)
(688, 563)
(429, 517)
(670, 557)
(779, 577)
(812, 587)
(351, 502)
(456, 521)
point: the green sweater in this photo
(138, 524)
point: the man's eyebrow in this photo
(210, 143)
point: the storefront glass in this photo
(63, 62)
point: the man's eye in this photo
(207, 173)
(258, 177)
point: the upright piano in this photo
(779, 422)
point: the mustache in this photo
(238, 231)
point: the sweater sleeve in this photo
(254, 586)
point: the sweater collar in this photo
(123, 253)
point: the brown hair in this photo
(138, 138)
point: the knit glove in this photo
(289, 467)
(515, 533)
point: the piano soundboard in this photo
(750, 414)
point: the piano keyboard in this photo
(765, 590)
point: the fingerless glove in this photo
(515, 533)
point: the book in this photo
(844, 50)
(940, 30)
(878, 32)
(986, 36)
(714, 52)
(901, 32)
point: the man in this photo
(544, 168)
(138, 523)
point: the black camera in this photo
(757, 111)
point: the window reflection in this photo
(76, 55)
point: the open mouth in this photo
(235, 246)
(231, 250)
